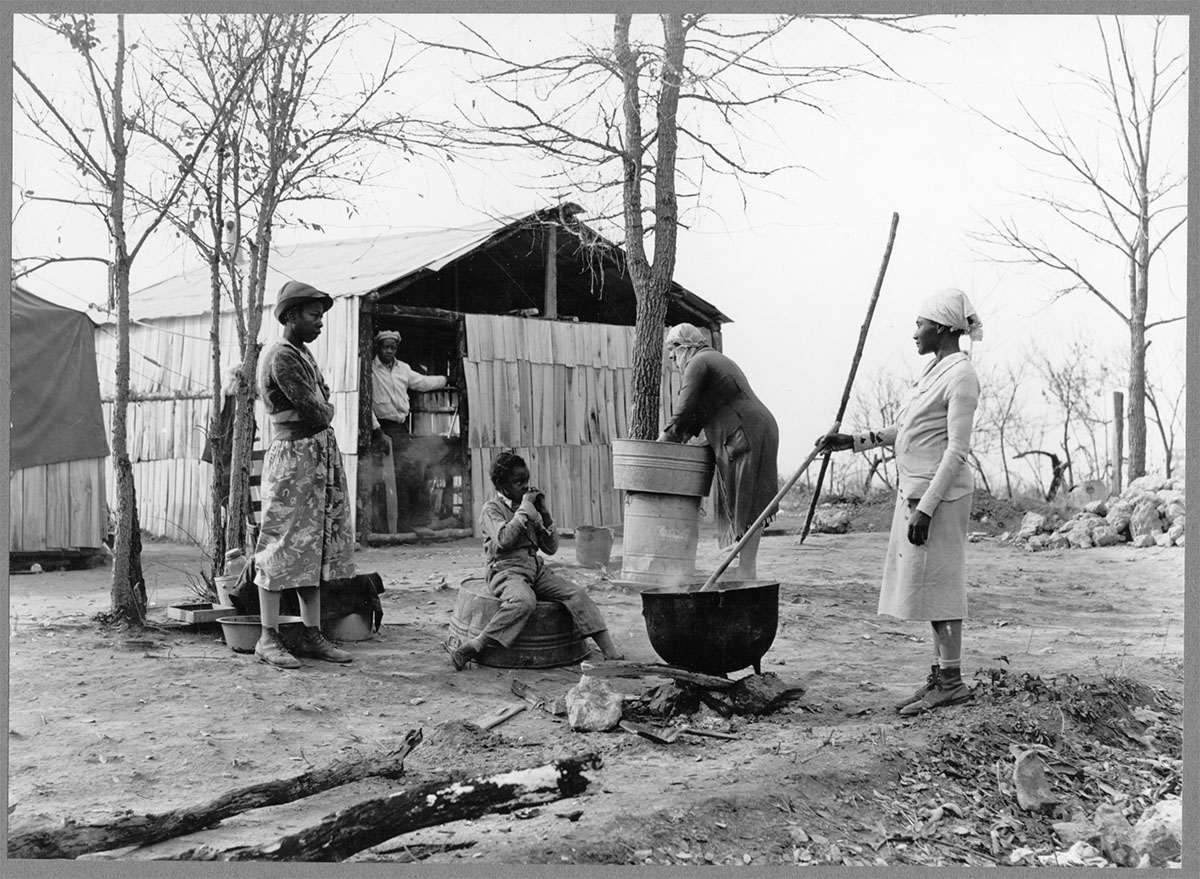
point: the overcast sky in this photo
(795, 265)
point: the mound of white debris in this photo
(1150, 512)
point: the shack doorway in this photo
(414, 484)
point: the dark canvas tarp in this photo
(56, 413)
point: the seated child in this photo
(516, 524)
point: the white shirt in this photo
(932, 434)
(389, 399)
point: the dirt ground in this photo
(1079, 652)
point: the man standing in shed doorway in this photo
(392, 380)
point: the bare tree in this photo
(1168, 417)
(107, 187)
(877, 402)
(1069, 384)
(1127, 205)
(293, 136)
(651, 111)
(1000, 414)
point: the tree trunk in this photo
(127, 592)
(74, 840)
(983, 476)
(370, 823)
(1118, 441)
(1137, 393)
(244, 428)
(650, 281)
(217, 441)
(1004, 464)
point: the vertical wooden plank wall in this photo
(170, 364)
(57, 506)
(557, 393)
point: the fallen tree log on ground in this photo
(73, 840)
(367, 824)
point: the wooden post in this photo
(1118, 439)
(366, 354)
(551, 307)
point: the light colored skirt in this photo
(305, 537)
(927, 582)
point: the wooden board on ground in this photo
(623, 669)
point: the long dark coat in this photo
(716, 397)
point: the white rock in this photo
(1106, 535)
(1031, 523)
(593, 706)
(1079, 538)
(1144, 541)
(1145, 519)
(1172, 511)
(1036, 542)
(1148, 483)
(1058, 541)
(1159, 833)
(830, 520)
(1168, 496)
(1163, 539)
(1118, 515)
(1098, 508)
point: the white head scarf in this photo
(951, 308)
(685, 336)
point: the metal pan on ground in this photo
(713, 632)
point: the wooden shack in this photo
(57, 442)
(531, 317)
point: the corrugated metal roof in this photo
(346, 267)
(340, 267)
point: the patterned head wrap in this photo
(387, 334)
(685, 336)
(951, 308)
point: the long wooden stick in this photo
(710, 583)
(862, 341)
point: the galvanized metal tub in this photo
(548, 640)
(662, 468)
(660, 537)
(593, 545)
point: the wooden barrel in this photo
(548, 640)
(659, 541)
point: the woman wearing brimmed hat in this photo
(305, 535)
(715, 397)
(924, 575)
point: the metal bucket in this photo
(593, 545)
(658, 544)
(548, 640)
(713, 632)
(663, 468)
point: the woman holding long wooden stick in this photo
(924, 575)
